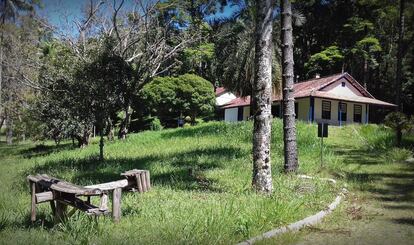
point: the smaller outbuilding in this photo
(337, 99)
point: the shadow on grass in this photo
(184, 170)
(44, 150)
(390, 183)
(404, 221)
(177, 171)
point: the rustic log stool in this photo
(61, 194)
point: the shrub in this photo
(155, 124)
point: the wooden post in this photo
(33, 205)
(116, 204)
(103, 205)
(139, 183)
(53, 207)
(144, 181)
(147, 178)
(60, 212)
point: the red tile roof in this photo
(312, 87)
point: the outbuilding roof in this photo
(314, 87)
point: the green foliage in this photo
(367, 49)
(155, 124)
(359, 25)
(172, 97)
(326, 61)
(398, 120)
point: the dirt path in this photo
(379, 211)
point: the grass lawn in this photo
(213, 204)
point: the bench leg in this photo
(60, 212)
(116, 204)
(53, 207)
(33, 204)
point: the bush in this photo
(170, 97)
(155, 124)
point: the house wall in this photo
(230, 114)
(334, 112)
(246, 113)
(303, 108)
(348, 90)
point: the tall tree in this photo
(398, 77)
(148, 44)
(262, 98)
(289, 127)
(9, 10)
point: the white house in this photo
(336, 99)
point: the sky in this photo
(62, 13)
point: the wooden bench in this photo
(61, 194)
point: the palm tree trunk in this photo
(399, 65)
(262, 98)
(289, 127)
(399, 56)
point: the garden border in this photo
(308, 221)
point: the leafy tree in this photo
(399, 122)
(173, 97)
(325, 62)
(98, 88)
(150, 43)
(57, 105)
(19, 70)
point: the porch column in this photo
(339, 114)
(366, 113)
(311, 117)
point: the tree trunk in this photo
(399, 66)
(262, 98)
(365, 73)
(101, 146)
(110, 129)
(289, 127)
(83, 139)
(1, 71)
(123, 131)
(1, 122)
(398, 83)
(9, 133)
